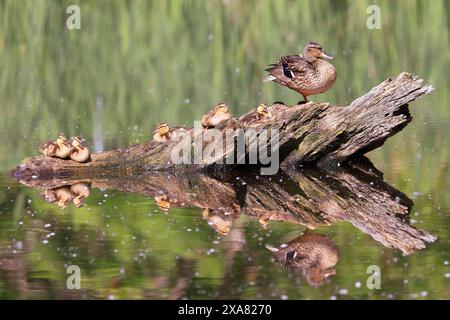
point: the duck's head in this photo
(77, 142)
(314, 51)
(61, 139)
(221, 108)
(262, 109)
(162, 129)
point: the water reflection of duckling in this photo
(261, 112)
(314, 254)
(163, 202)
(219, 115)
(219, 223)
(63, 196)
(79, 152)
(49, 195)
(264, 220)
(80, 192)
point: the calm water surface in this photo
(158, 65)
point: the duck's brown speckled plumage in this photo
(315, 254)
(308, 74)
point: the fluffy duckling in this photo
(163, 202)
(63, 147)
(165, 133)
(80, 191)
(59, 148)
(48, 149)
(308, 74)
(161, 133)
(262, 111)
(219, 115)
(79, 152)
(221, 225)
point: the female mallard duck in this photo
(308, 74)
(79, 152)
(215, 117)
(315, 254)
(262, 111)
(59, 148)
(80, 191)
(165, 133)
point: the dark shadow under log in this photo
(316, 134)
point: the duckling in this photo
(48, 149)
(314, 254)
(221, 225)
(63, 197)
(59, 148)
(80, 191)
(262, 111)
(309, 74)
(219, 115)
(163, 202)
(49, 195)
(165, 133)
(63, 147)
(79, 152)
(161, 133)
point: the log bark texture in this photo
(316, 134)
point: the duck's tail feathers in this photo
(268, 78)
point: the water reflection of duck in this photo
(308, 74)
(314, 254)
(79, 152)
(218, 221)
(80, 191)
(215, 117)
(262, 111)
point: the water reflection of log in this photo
(312, 198)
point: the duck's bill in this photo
(326, 56)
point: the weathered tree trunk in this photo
(311, 198)
(315, 134)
